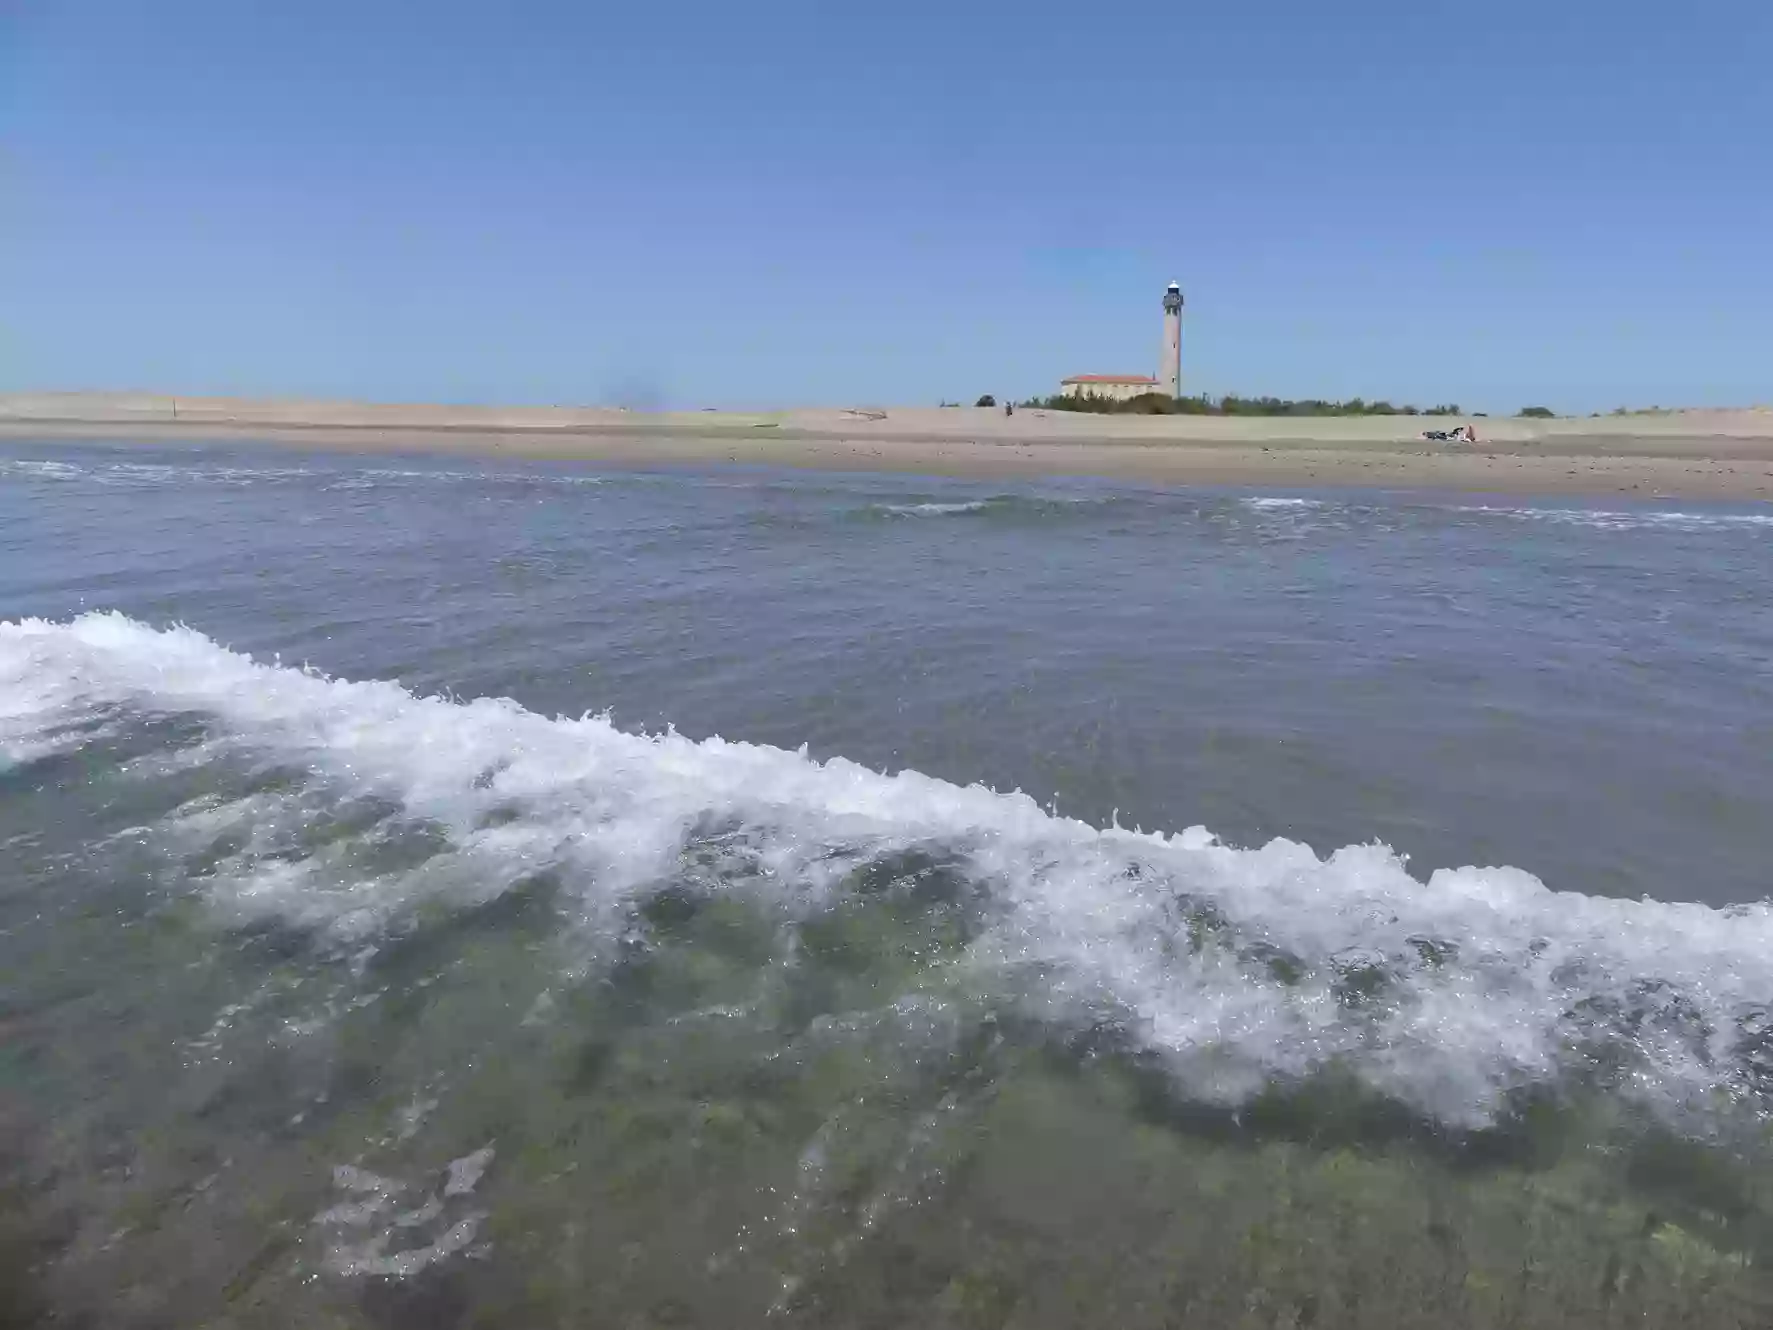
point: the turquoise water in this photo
(455, 894)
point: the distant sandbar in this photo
(1701, 454)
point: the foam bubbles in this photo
(1026, 506)
(931, 509)
(1277, 504)
(1640, 519)
(163, 475)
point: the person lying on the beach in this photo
(1463, 434)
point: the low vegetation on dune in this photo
(1230, 404)
(1161, 404)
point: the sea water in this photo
(445, 893)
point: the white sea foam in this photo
(932, 509)
(1641, 519)
(375, 475)
(202, 472)
(1029, 504)
(32, 469)
(1277, 504)
(42, 710)
(138, 475)
(1235, 966)
(1598, 519)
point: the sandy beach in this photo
(1697, 454)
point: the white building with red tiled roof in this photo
(1118, 387)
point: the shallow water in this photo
(442, 893)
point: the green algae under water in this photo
(744, 1119)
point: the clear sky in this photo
(701, 203)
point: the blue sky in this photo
(714, 204)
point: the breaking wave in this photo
(1642, 519)
(930, 509)
(1300, 513)
(1597, 519)
(1005, 505)
(1267, 504)
(1237, 969)
(155, 475)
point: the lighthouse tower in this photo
(1169, 370)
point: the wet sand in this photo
(1699, 454)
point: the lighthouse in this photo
(1169, 369)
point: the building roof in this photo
(1109, 378)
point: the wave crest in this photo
(1235, 967)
